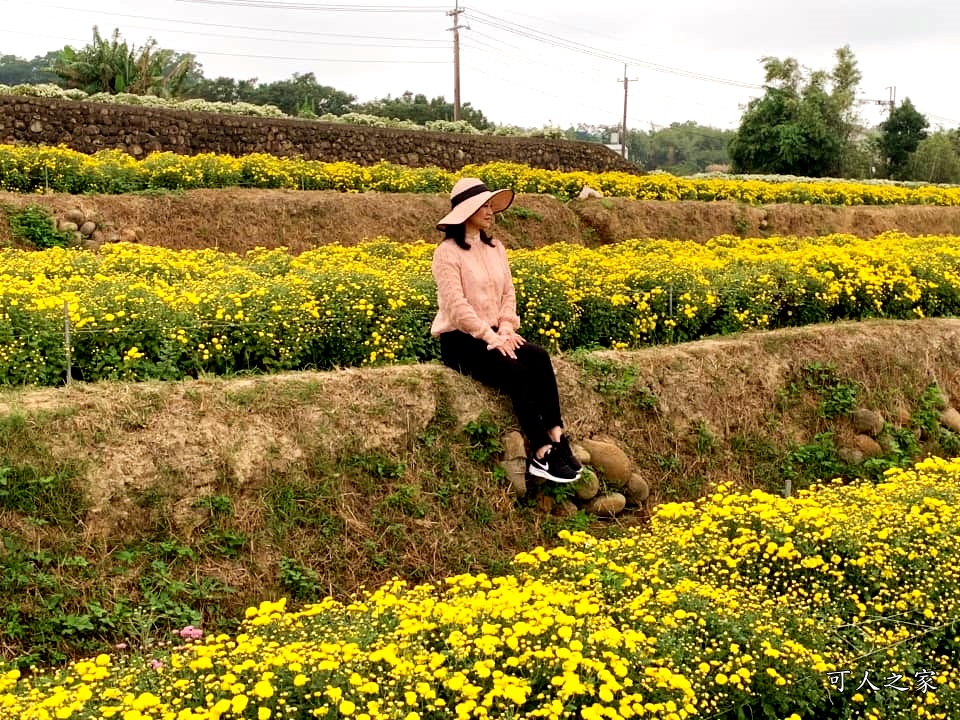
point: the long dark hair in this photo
(458, 233)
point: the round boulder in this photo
(87, 228)
(868, 446)
(950, 419)
(516, 469)
(867, 422)
(610, 460)
(75, 215)
(565, 509)
(514, 446)
(637, 489)
(588, 486)
(580, 453)
(607, 505)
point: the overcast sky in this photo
(513, 77)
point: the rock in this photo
(545, 504)
(516, 469)
(580, 453)
(91, 244)
(950, 419)
(637, 489)
(128, 235)
(868, 446)
(75, 215)
(76, 239)
(588, 485)
(139, 232)
(98, 237)
(87, 228)
(867, 422)
(902, 415)
(588, 192)
(112, 237)
(514, 446)
(565, 509)
(610, 460)
(888, 443)
(607, 505)
(66, 226)
(851, 456)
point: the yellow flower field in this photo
(841, 602)
(139, 312)
(33, 169)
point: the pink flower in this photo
(156, 664)
(191, 633)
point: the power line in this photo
(414, 42)
(238, 27)
(263, 4)
(557, 41)
(390, 61)
(484, 47)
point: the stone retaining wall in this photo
(89, 127)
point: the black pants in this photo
(529, 380)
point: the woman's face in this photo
(482, 219)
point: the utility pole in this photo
(891, 102)
(626, 85)
(456, 57)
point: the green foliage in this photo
(521, 213)
(804, 122)
(619, 384)
(484, 436)
(838, 396)
(47, 498)
(683, 148)
(418, 109)
(35, 225)
(936, 160)
(15, 70)
(301, 504)
(301, 582)
(301, 95)
(113, 66)
(406, 499)
(900, 134)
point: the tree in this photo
(418, 109)
(300, 95)
(935, 160)
(222, 89)
(16, 71)
(113, 66)
(900, 134)
(804, 122)
(682, 148)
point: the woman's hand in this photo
(511, 341)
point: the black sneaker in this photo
(567, 453)
(553, 467)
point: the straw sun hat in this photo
(468, 196)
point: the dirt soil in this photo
(238, 220)
(135, 435)
(357, 476)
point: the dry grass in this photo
(238, 220)
(361, 475)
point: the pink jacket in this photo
(474, 290)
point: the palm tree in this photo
(113, 66)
